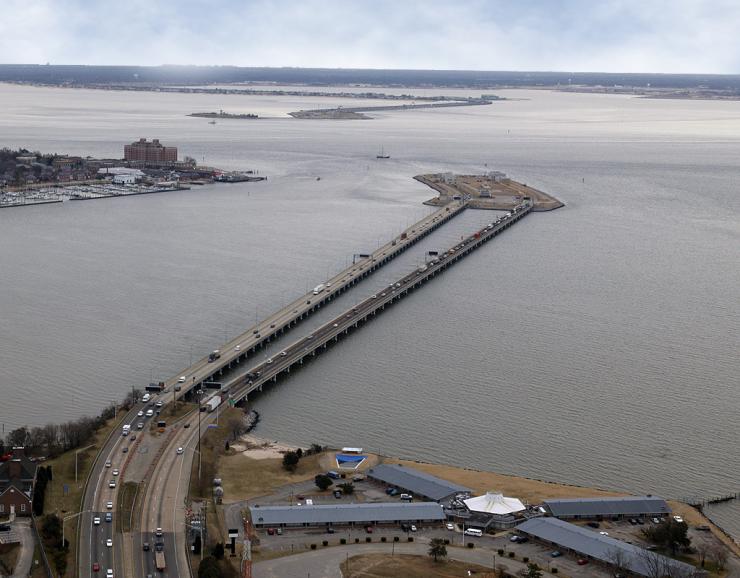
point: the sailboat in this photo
(382, 155)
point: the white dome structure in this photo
(496, 504)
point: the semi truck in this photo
(213, 403)
(126, 430)
(159, 560)
(318, 289)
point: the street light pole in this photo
(200, 393)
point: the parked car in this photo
(413, 528)
(329, 530)
(678, 519)
(369, 529)
(556, 554)
(593, 524)
(582, 561)
(279, 531)
(271, 531)
(450, 526)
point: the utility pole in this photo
(200, 393)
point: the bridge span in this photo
(245, 345)
(296, 353)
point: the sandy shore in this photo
(260, 448)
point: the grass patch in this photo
(245, 477)
(37, 570)
(385, 566)
(125, 506)
(212, 446)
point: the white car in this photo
(96, 521)
(182, 377)
(108, 464)
(109, 573)
(678, 519)
(109, 505)
(413, 528)
(140, 414)
(115, 472)
(269, 361)
(109, 542)
(237, 348)
(180, 451)
(149, 413)
(450, 526)
(604, 533)
(283, 353)
(112, 484)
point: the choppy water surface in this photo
(596, 345)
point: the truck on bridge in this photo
(318, 289)
(159, 560)
(213, 403)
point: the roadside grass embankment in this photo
(125, 507)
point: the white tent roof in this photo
(493, 503)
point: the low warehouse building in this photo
(594, 546)
(346, 514)
(418, 483)
(595, 508)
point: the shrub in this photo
(382, 538)
(357, 540)
(325, 543)
(395, 538)
(525, 559)
(410, 538)
(313, 546)
(343, 541)
(554, 570)
(447, 541)
(471, 545)
(511, 554)
(500, 551)
(368, 539)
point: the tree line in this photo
(53, 439)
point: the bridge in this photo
(241, 347)
(295, 354)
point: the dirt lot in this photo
(380, 566)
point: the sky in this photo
(677, 36)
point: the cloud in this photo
(570, 35)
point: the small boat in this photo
(382, 155)
(211, 122)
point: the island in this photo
(222, 114)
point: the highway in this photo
(162, 503)
(92, 538)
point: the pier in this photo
(289, 316)
(332, 331)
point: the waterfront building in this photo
(591, 545)
(607, 507)
(17, 478)
(149, 152)
(420, 484)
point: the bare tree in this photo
(703, 550)
(656, 565)
(719, 556)
(619, 559)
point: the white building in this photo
(494, 510)
(125, 179)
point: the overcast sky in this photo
(569, 35)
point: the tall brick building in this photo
(149, 152)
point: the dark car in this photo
(593, 524)
(159, 547)
(145, 546)
(329, 530)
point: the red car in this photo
(96, 567)
(582, 561)
(271, 531)
(369, 529)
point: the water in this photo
(595, 345)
